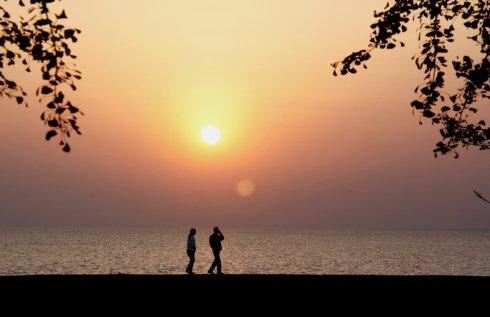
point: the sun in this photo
(210, 134)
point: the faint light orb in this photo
(245, 187)
(210, 134)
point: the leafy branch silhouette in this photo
(436, 20)
(40, 36)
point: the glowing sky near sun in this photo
(296, 146)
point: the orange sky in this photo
(321, 151)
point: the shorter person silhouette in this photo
(191, 251)
(215, 244)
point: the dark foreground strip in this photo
(462, 292)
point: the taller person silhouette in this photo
(215, 244)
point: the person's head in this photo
(192, 232)
(216, 229)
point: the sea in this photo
(163, 251)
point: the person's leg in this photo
(218, 261)
(213, 265)
(192, 258)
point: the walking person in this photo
(191, 251)
(215, 244)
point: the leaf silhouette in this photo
(39, 36)
(435, 30)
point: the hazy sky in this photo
(321, 151)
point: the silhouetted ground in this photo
(350, 293)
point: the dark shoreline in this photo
(332, 290)
(278, 283)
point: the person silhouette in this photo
(191, 251)
(215, 244)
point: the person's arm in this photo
(222, 237)
(193, 244)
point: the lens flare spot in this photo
(245, 187)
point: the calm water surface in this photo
(24, 251)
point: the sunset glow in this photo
(227, 112)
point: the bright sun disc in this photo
(210, 134)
